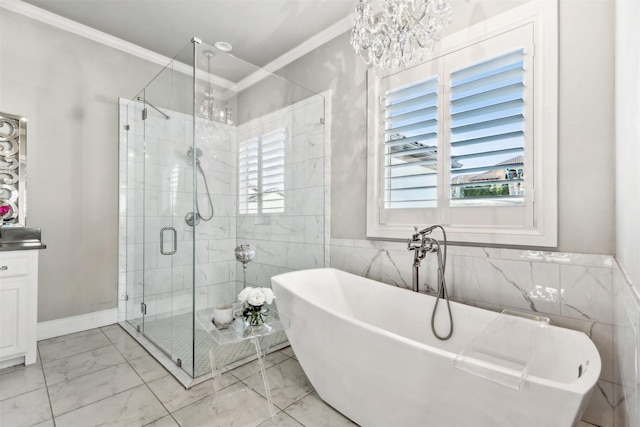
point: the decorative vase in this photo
(256, 314)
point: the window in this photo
(261, 173)
(468, 139)
(487, 124)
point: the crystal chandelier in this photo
(397, 37)
(210, 130)
(208, 106)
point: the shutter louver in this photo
(273, 171)
(411, 142)
(487, 127)
(248, 176)
(261, 173)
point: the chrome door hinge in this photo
(143, 308)
(126, 297)
(144, 113)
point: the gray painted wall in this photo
(68, 88)
(586, 133)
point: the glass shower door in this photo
(134, 242)
(168, 240)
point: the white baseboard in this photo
(82, 322)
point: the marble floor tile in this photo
(287, 381)
(167, 421)
(69, 345)
(129, 347)
(75, 393)
(288, 351)
(114, 328)
(313, 411)
(251, 368)
(173, 395)
(243, 408)
(25, 410)
(21, 381)
(148, 368)
(133, 407)
(283, 420)
(81, 364)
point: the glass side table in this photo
(237, 334)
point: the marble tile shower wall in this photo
(294, 239)
(576, 291)
(156, 181)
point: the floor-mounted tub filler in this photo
(369, 352)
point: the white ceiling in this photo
(260, 31)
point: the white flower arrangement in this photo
(256, 296)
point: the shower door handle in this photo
(175, 241)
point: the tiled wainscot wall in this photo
(588, 293)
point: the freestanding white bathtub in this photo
(369, 351)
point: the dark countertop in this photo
(20, 239)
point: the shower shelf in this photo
(503, 351)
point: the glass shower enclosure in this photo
(214, 153)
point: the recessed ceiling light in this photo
(223, 46)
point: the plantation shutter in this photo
(487, 129)
(410, 145)
(272, 188)
(248, 176)
(261, 173)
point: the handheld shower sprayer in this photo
(421, 244)
(193, 218)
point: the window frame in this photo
(541, 228)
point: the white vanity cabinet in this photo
(18, 307)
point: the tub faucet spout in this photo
(421, 245)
